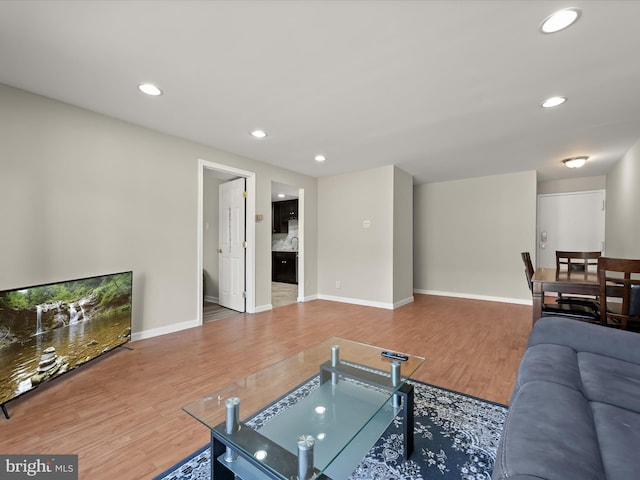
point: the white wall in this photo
(84, 194)
(570, 185)
(361, 259)
(468, 235)
(623, 206)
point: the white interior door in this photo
(569, 222)
(231, 245)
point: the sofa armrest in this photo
(586, 337)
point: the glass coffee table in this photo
(314, 415)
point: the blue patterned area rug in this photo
(456, 437)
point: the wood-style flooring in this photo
(122, 413)
(283, 294)
(212, 311)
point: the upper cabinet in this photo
(282, 213)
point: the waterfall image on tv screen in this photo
(48, 330)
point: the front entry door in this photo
(570, 222)
(231, 245)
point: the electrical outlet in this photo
(337, 283)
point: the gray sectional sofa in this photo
(575, 409)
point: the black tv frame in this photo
(119, 341)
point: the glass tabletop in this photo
(338, 393)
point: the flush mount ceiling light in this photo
(259, 133)
(560, 20)
(575, 162)
(281, 195)
(149, 89)
(553, 102)
(320, 158)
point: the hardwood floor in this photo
(122, 413)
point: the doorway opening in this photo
(287, 244)
(210, 175)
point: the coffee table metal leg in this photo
(395, 380)
(232, 424)
(404, 399)
(335, 359)
(305, 457)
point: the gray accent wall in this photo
(468, 235)
(622, 228)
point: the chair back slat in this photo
(619, 280)
(573, 262)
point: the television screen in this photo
(48, 330)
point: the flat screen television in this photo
(48, 330)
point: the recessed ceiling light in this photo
(320, 158)
(553, 102)
(560, 20)
(575, 162)
(281, 195)
(149, 89)
(259, 133)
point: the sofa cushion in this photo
(618, 436)
(552, 363)
(611, 381)
(549, 433)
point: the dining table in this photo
(547, 280)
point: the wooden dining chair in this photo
(619, 280)
(577, 312)
(574, 263)
(577, 262)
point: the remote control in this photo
(395, 356)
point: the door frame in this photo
(301, 240)
(299, 195)
(250, 277)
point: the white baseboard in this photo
(154, 332)
(356, 301)
(471, 296)
(403, 302)
(269, 306)
(211, 299)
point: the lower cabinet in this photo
(283, 267)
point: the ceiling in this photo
(443, 89)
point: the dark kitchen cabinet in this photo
(282, 212)
(284, 267)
